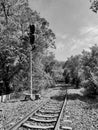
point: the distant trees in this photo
(82, 70)
(71, 70)
(57, 71)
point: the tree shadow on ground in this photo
(91, 102)
(58, 97)
(75, 96)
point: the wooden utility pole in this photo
(32, 38)
(31, 74)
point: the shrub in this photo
(90, 88)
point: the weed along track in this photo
(46, 116)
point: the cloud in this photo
(60, 52)
(73, 47)
(64, 36)
(89, 34)
(77, 45)
(60, 46)
(61, 36)
(89, 30)
(88, 37)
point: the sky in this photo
(74, 24)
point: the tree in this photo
(71, 70)
(94, 5)
(15, 18)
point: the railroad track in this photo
(46, 116)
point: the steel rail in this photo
(57, 125)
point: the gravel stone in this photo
(82, 115)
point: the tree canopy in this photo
(82, 70)
(15, 19)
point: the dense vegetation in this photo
(82, 70)
(15, 18)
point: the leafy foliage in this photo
(82, 70)
(94, 5)
(15, 18)
(71, 71)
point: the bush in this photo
(90, 87)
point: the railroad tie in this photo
(49, 112)
(42, 120)
(37, 127)
(39, 115)
(66, 128)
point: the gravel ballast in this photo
(15, 110)
(82, 112)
